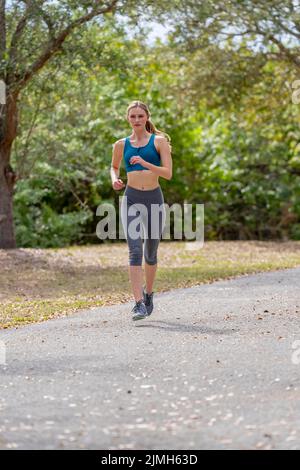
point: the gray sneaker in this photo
(148, 301)
(139, 310)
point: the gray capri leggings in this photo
(143, 209)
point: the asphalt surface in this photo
(216, 366)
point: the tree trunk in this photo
(8, 128)
(15, 82)
(7, 233)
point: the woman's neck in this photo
(140, 135)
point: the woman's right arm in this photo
(117, 154)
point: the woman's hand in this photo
(137, 159)
(118, 184)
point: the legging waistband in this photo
(142, 191)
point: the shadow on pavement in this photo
(186, 328)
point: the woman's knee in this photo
(151, 252)
(135, 256)
(151, 261)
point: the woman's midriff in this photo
(143, 179)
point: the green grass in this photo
(38, 285)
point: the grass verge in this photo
(39, 284)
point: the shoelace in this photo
(137, 304)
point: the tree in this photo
(272, 26)
(31, 33)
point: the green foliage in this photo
(234, 130)
(40, 223)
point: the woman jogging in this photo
(147, 155)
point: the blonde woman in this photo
(147, 156)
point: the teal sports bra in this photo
(147, 152)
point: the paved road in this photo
(214, 367)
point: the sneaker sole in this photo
(139, 317)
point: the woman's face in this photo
(137, 118)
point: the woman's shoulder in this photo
(120, 142)
(160, 138)
(161, 141)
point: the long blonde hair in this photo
(150, 127)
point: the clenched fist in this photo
(118, 184)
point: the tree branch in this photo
(54, 45)
(285, 52)
(285, 28)
(12, 53)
